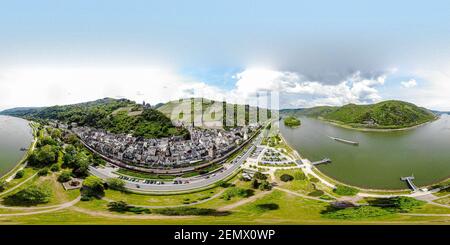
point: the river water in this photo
(381, 158)
(15, 133)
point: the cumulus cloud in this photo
(409, 84)
(297, 90)
(43, 86)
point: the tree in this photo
(55, 168)
(56, 134)
(44, 155)
(31, 195)
(260, 176)
(286, 177)
(116, 184)
(264, 185)
(405, 204)
(3, 185)
(43, 172)
(47, 140)
(19, 174)
(93, 187)
(65, 176)
(255, 183)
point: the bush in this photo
(255, 184)
(93, 187)
(264, 185)
(3, 185)
(30, 196)
(182, 211)
(43, 172)
(360, 212)
(299, 175)
(286, 177)
(19, 174)
(314, 180)
(259, 176)
(119, 206)
(316, 193)
(404, 204)
(55, 168)
(236, 192)
(343, 190)
(267, 206)
(65, 176)
(116, 184)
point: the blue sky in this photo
(312, 52)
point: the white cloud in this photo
(354, 89)
(43, 86)
(409, 84)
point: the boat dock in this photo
(409, 180)
(323, 161)
(344, 141)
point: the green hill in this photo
(390, 114)
(209, 113)
(114, 115)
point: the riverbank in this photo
(338, 124)
(23, 161)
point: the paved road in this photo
(195, 184)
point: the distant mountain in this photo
(114, 115)
(390, 114)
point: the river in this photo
(15, 133)
(381, 158)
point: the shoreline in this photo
(22, 162)
(377, 129)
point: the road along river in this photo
(15, 133)
(380, 158)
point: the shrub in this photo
(255, 184)
(30, 196)
(259, 176)
(19, 174)
(286, 177)
(299, 175)
(404, 204)
(360, 212)
(119, 206)
(314, 180)
(316, 193)
(236, 192)
(3, 185)
(343, 190)
(187, 211)
(116, 184)
(264, 185)
(267, 206)
(65, 176)
(43, 172)
(55, 168)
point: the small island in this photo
(291, 121)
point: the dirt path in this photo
(58, 207)
(243, 202)
(301, 195)
(17, 186)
